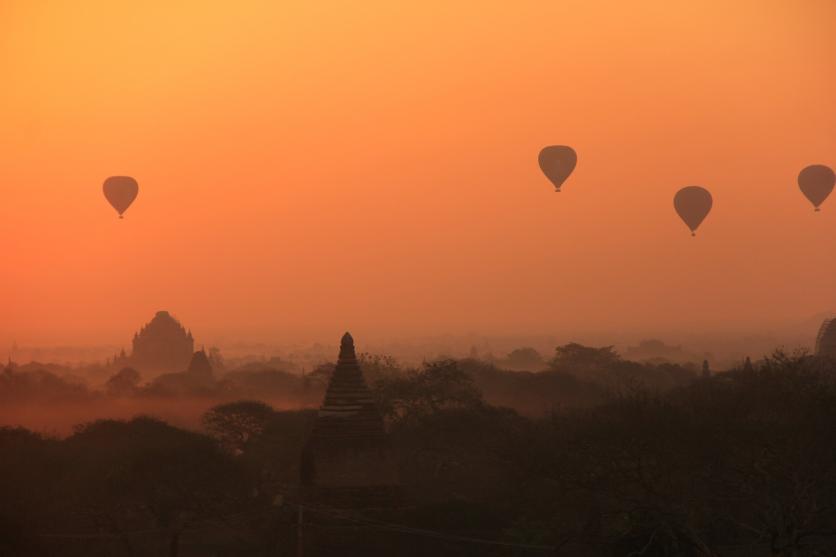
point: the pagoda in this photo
(197, 378)
(347, 460)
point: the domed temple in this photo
(162, 345)
(826, 339)
(347, 460)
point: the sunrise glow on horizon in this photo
(306, 168)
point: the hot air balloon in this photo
(692, 204)
(120, 191)
(557, 162)
(816, 183)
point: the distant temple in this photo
(199, 366)
(347, 460)
(826, 339)
(197, 378)
(162, 345)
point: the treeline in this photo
(576, 376)
(739, 464)
(37, 383)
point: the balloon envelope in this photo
(557, 162)
(692, 204)
(120, 191)
(816, 183)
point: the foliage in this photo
(578, 356)
(417, 393)
(125, 475)
(235, 424)
(524, 359)
(742, 463)
(123, 383)
(40, 384)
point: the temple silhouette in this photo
(347, 460)
(162, 345)
(197, 378)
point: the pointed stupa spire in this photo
(347, 458)
(348, 412)
(200, 364)
(347, 354)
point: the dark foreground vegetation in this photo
(600, 457)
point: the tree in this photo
(320, 375)
(30, 466)
(525, 358)
(275, 454)
(123, 383)
(577, 356)
(235, 424)
(780, 482)
(378, 366)
(173, 478)
(417, 393)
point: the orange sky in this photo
(305, 168)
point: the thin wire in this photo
(422, 532)
(339, 514)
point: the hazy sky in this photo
(307, 168)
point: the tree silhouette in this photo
(235, 424)
(123, 383)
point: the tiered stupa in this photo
(348, 460)
(198, 378)
(163, 345)
(199, 365)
